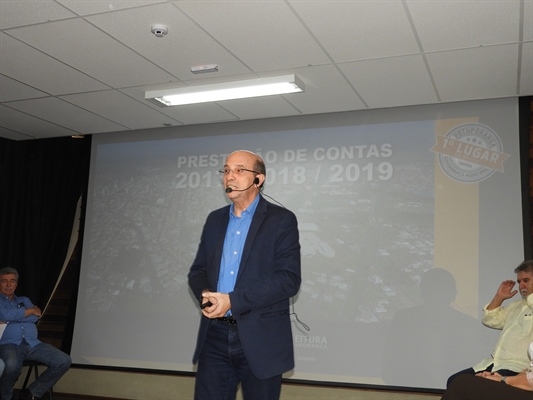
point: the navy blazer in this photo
(269, 275)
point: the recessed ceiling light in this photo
(226, 91)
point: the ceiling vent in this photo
(202, 69)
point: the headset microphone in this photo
(255, 182)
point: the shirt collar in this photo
(250, 210)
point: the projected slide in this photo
(396, 261)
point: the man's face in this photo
(8, 284)
(240, 181)
(525, 283)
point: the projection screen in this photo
(409, 219)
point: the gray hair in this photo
(525, 266)
(8, 271)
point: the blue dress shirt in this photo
(233, 247)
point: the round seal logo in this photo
(470, 152)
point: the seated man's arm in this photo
(25, 312)
(494, 316)
(519, 381)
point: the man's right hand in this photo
(505, 291)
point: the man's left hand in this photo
(221, 304)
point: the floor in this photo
(62, 396)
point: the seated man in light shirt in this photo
(516, 323)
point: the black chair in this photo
(34, 366)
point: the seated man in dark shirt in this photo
(19, 342)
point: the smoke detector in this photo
(159, 30)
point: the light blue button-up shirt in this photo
(18, 326)
(234, 246)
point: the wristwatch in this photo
(504, 380)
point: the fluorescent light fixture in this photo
(226, 91)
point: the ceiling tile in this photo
(526, 70)
(29, 126)
(12, 135)
(186, 45)
(475, 73)
(25, 64)
(326, 90)
(527, 20)
(11, 89)
(86, 48)
(391, 82)
(93, 7)
(445, 25)
(264, 35)
(259, 107)
(66, 115)
(199, 113)
(27, 12)
(119, 108)
(358, 30)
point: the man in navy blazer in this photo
(245, 272)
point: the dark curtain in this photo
(40, 183)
